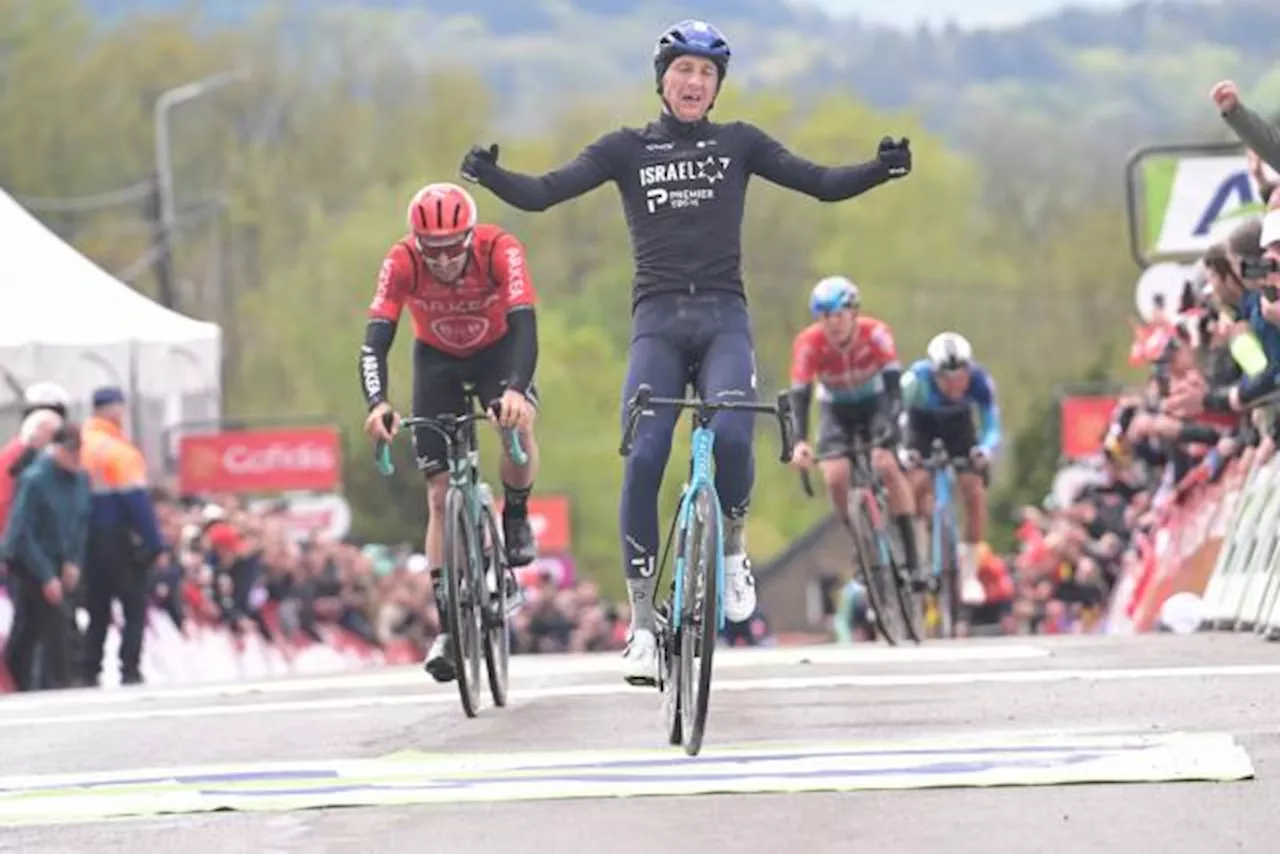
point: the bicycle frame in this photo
(871, 491)
(702, 450)
(700, 477)
(459, 434)
(944, 517)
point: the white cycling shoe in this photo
(740, 589)
(640, 659)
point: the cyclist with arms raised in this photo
(854, 361)
(468, 290)
(683, 181)
(940, 394)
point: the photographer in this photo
(1255, 262)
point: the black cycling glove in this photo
(477, 161)
(895, 155)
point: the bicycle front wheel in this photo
(949, 582)
(700, 569)
(463, 622)
(866, 561)
(910, 603)
(497, 642)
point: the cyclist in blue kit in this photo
(683, 181)
(940, 396)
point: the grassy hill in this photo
(1132, 74)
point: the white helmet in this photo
(46, 395)
(949, 351)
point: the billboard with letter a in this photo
(1183, 198)
(273, 459)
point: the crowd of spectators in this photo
(249, 570)
(221, 562)
(1214, 360)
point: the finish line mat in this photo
(423, 778)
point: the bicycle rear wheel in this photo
(497, 642)
(866, 562)
(463, 621)
(699, 613)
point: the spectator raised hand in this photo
(1226, 95)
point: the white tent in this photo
(63, 318)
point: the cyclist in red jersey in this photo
(467, 288)
(854, 361)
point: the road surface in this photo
(991, 694)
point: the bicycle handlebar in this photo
(859, 446)
(941, 459)
(643, 401)
(448, 427)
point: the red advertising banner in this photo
(270, 460)
(1083, 423)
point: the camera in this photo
(1258, 267)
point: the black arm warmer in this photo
(801, 398)
(893, 387)
(1253, 388)
(522, 326)
(1200, 433)
(378, 337)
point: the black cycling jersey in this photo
(683, 187)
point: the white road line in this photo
(546, 667)
(442, 696)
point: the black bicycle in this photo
(475, 563)
(895, 605)
(693, 615)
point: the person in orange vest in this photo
(124, 536)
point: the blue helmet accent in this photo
(691, 38)
(832, 294)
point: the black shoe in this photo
(131, 679)
(518, 534)
(440, 659)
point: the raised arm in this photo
(772, 161)
(1254, 131)
(584, 173)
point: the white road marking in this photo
(526, 666)
(448, 696)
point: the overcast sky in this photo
(964, 12)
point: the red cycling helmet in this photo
(442, 218)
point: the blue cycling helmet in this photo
(691, 38)
(832, 294)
